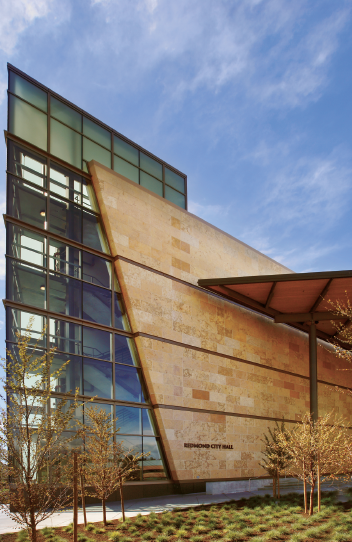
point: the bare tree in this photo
(275, 456)
(107, 464)
(33, 449)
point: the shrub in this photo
(115, 536)
(89, 527)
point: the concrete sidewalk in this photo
(146, 506)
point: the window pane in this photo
(97, 406)
(97, 378)
(25, 284)
(35, 375)
(65, 336)
(93, 235)
(124, 350)
(151, 166)
(65, 219)
(77, 413)
(96, 304)
(26, 203)
(88, 196)
(18, 321)
(148, 422)
(125, 150)
(70, 376)
(92, 151)
(174, 180)
(126, 169)
(26, 164)
(28, 91)
(127, 384)
(96, 270)
(153, 467)
(65, 183)
(152, 184)
(64, 259)
(65, 295)
(96, 132)
(133, 443)
(129, 420)
(26, 245)
(175, 197)
(22, 118)
(66, 114)
(65, 143)
(96, 343)
(121, 319)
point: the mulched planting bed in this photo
(257, 519)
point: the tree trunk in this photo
(278, 486)
(305, 494)
(274, 487)
(319, 487)
(122, 501)
(104, 512)
(311, 504)
(83, 501)
(33, 525)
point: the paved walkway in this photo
(146, 506)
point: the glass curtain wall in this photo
(69, 134)
(59, 269)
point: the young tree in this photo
(342, 342)
(32, 447)
(275, 456)
(107, 465)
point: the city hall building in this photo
(193, 341)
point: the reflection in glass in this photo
(64, 258)
(126, 169)
(65, 183)
(174, 180)
(96, 270)
(152, 184)
(97, 406)
(121, 319)
(127, 384)
(70, 376)
(148, 423)
(22, 118)
(66, 404)
(65, 336)
(26, 245)
(26, 164)
(125, 150)
(92, 232)
(175, 197)
(153, 467)
(96, 343)
(18, 322)
(129, 419)
(96, 304)
(25, 284)
(28, 91)
(65, 143)
(92, 151)
(65, 295)
(97, 378)
(65, 219)
(96, 132)
(124, 350)
(151, 166)
(36, 376)
(66, 114)
(132, 444)
(26, 202)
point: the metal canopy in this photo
(300, 300)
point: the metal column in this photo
(313, 371)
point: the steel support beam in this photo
(313, 371)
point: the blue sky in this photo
(250, 98)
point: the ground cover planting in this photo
(258, 519)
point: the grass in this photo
(258, 519)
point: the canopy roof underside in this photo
(295, 299)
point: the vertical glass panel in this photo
(96, 304)
(127, 384)
(36, 375)
(129, 420)
(65, 143)
(22, 118)
(130, 443)
(92, 151)
(66, 114)
(26, 245)
(93, 235)
(28, 91)
(96, 343)
(97, 378)
(153, 467)
(77, 412)
(65, 295)
(97, 133)
(125, 150)
(174, 180)
(96, 270)
(26, 164)
(25, 284)
(151, 166)
(65, 183)
(65, 336)
(65, 219)
(64, 259)
(152, 184)
(175, 197)
(97, 406)
(88, 196)
(148, 422)
(124, 350)
(121, 319)
(26, 203)
(18, 322)
(70, 376)
(126, 169)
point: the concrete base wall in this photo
(217, 488)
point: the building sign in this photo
(212, 446)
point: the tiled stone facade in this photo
(221, 370)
